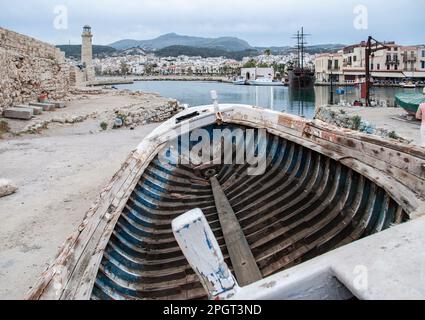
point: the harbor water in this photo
(298, 102)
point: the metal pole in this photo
(331, 99)
(271, 98)
(367, 85)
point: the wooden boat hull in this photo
(323, 188)
(301, 79)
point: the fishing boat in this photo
(240, 81)
(408, 85)
(269, 82)
(189, 230)
(410, 102)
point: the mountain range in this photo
(229, 44)
(173, 39)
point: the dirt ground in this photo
(59, 178)
(60, 173)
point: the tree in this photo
(250, 64)
(267, 52)
(263, 65)
(279, 68)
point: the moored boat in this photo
(408, 85)
(410, 101)
(323, 188)
(266, 82)
(240, 81)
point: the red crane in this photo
(372, 46)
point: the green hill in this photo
(173, 39)
(175, 51)
(75, 50)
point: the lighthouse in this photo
(87, 53)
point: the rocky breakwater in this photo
(138, 114)
(340, 118)
(108, 109)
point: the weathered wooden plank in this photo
(393, 155)
(243, 261)
(300, 131)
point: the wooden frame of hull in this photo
(398, 168)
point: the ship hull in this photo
(301, 79)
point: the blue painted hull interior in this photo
(303, 206)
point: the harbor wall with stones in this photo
(338, 117)
(29, 66)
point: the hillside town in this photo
(393, 66)
(150, 64)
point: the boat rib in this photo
(306, 204)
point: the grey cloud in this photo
(266, 22)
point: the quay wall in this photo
(29, 66)
(166, 78)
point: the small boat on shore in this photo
(240, 81)
(321, 189)
(410, 102)
(266, 82)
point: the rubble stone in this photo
(7, 188)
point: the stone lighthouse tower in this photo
(87, 53)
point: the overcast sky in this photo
(260, 22)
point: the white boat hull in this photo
(266, 84)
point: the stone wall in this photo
(29, 66)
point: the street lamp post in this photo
(331, 98)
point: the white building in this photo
(256, 73)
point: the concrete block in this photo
(59, 104)
(36, 110)
(18, 113)
(45, 106)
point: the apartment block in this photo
(392, 65)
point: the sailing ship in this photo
(299, 76)
(197, 231)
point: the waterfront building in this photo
(389, 66)
(329, 67)
(256, 73)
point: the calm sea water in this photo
(298, 102)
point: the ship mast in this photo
(301, 43)
(302, 47)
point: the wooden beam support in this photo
(243, 261)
